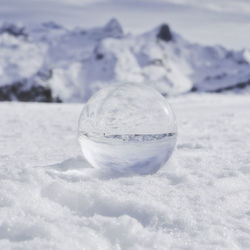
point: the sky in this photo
(224, 22)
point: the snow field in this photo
(50, 198)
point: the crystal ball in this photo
(127, 128)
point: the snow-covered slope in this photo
(50, 198)
(51, 63)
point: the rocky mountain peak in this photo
(164, 33)
(114, 28)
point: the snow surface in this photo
(50, 198)
(74, 63)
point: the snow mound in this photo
(82, 61)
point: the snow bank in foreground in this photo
(50, 198)
(70, 65)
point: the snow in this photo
(80, 61)
(51, 198)
(18, 59)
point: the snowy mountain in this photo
(48, 62)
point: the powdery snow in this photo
(50, 198)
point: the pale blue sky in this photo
(225, 22)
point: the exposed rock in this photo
(164, 33)
(20, 92)
(114, 28)
(13, 30)
(51, 25)
(99, 56)
(45, 74)
(241, 85)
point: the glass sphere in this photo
(127, 128)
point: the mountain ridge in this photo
(69, 65)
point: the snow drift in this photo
(48, 62)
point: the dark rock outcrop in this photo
(165, 33)
(20, 92)
(14, 30)
(237, 86)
